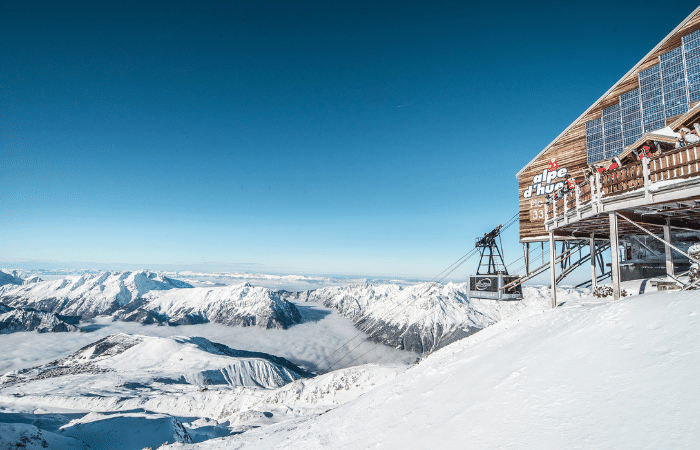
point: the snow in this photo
(666, 131)
(126, 431)
(658, 185)
(593, 375)
(425, 316)
(271, 281)
(121, 359)
(88, 295)
(11, 277)
(322, 331)
(240, 304)
(27, 319)
(150, 297)
(29, 437)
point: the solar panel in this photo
(612, 131)
(594, 140)
(691, 50)
(673, 82)
(653, 117)
(631, 114)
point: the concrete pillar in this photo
(615, 255)
(553, 268)
(669, 252)
(594, 275)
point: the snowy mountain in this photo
(176, 360)
(139, 389)
(11, 277)
(240, 305)
(589, 374)
(28, 319)
(148, 297)
(214, 410)
(28, 437)
(422, 317)
(88, 295)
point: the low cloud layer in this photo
(310, 344)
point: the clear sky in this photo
(358, 138)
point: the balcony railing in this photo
(673, 165)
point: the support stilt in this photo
(669, 252)
(553, 267)
(594, 275)
(615, 255)
(526, 249)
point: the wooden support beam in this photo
(615, 255)
(553, 268)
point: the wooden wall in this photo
(569, 150)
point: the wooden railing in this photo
(677, 164)
(624, 179)
(681, 163)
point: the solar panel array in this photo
(691, 50)
(612, 131)
(631, 115)
(673, 80)
(665, 90)
(594, 140)
(653, 116)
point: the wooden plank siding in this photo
(570, 148)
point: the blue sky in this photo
(363, 138)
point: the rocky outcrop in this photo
(27, 319)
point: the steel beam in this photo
(553, 268)
(594, 276)
(615, 255)
(669, 252)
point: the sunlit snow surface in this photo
(581, 376)
(591, 374)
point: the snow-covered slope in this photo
(88, 295)
(126, 431)
(11, 277)
(227, 408)
(144, 384)
(22, 436)
(591, 376)
(174, 360)
(240, 304)
(28, 319)
(422, 317)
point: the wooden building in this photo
(596, 181)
